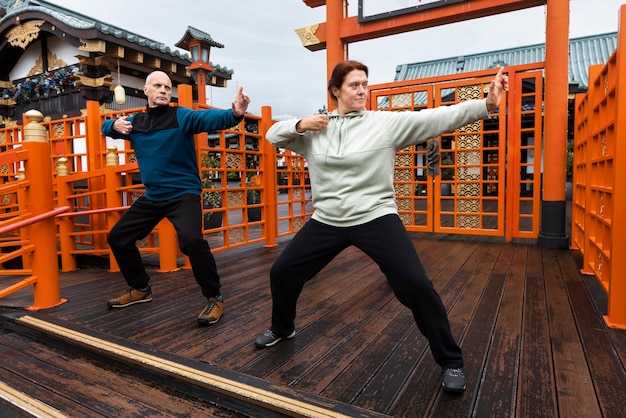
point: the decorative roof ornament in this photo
(24, 34)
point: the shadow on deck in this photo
(530, 326)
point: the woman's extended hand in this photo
(497, 87)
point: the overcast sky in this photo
(269, 61)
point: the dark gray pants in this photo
(385, 241)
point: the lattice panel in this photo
(468, 173)
(468, 157)
(235, 235)
(403, 204)
(468, 221)
(233, 160)
(58, 130)
(234, 198)
(3, 138)
(469, 141)
(470, 127)
(401, 100)
(468, 189)
(297, 164)
(405, 218)
(468, 205)
(297, 194)
(403, 160)
(135, 196)
(403, 190)
(402, 174)
(470, 92)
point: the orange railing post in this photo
(96, 142)
(113, 182)
(38, 170)
(270, 180)
(66, 223)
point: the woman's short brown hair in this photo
(339, 74)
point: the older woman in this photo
(350, 153)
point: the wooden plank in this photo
(575, 393)
(478, 308)
(75, 394)
(609, 378)
(496, 395)
(536, 395)
(236, 386)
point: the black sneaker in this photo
(268, 339)
(453, 380)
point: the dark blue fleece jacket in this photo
(162, 138)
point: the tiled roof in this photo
(584, 51)
(82, 22)
(200, 35)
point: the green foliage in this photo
(209, 199)
(447, 173)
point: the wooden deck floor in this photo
(530, 326)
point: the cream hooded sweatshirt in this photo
(351, 162)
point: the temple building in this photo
(53, 59)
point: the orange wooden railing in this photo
(97, 179)
(599, 189)
(31, 211)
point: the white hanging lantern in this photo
(118, 91)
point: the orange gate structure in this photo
(489, 182)
(340, 30)
(599, 195)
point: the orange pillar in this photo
(47, 289)
(553, 206)
(336, 47)
(66, 223)
(96, 143)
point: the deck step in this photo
(208, 384)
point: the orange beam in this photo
(350, 30)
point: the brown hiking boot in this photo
(212, 312)
(130, 297)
